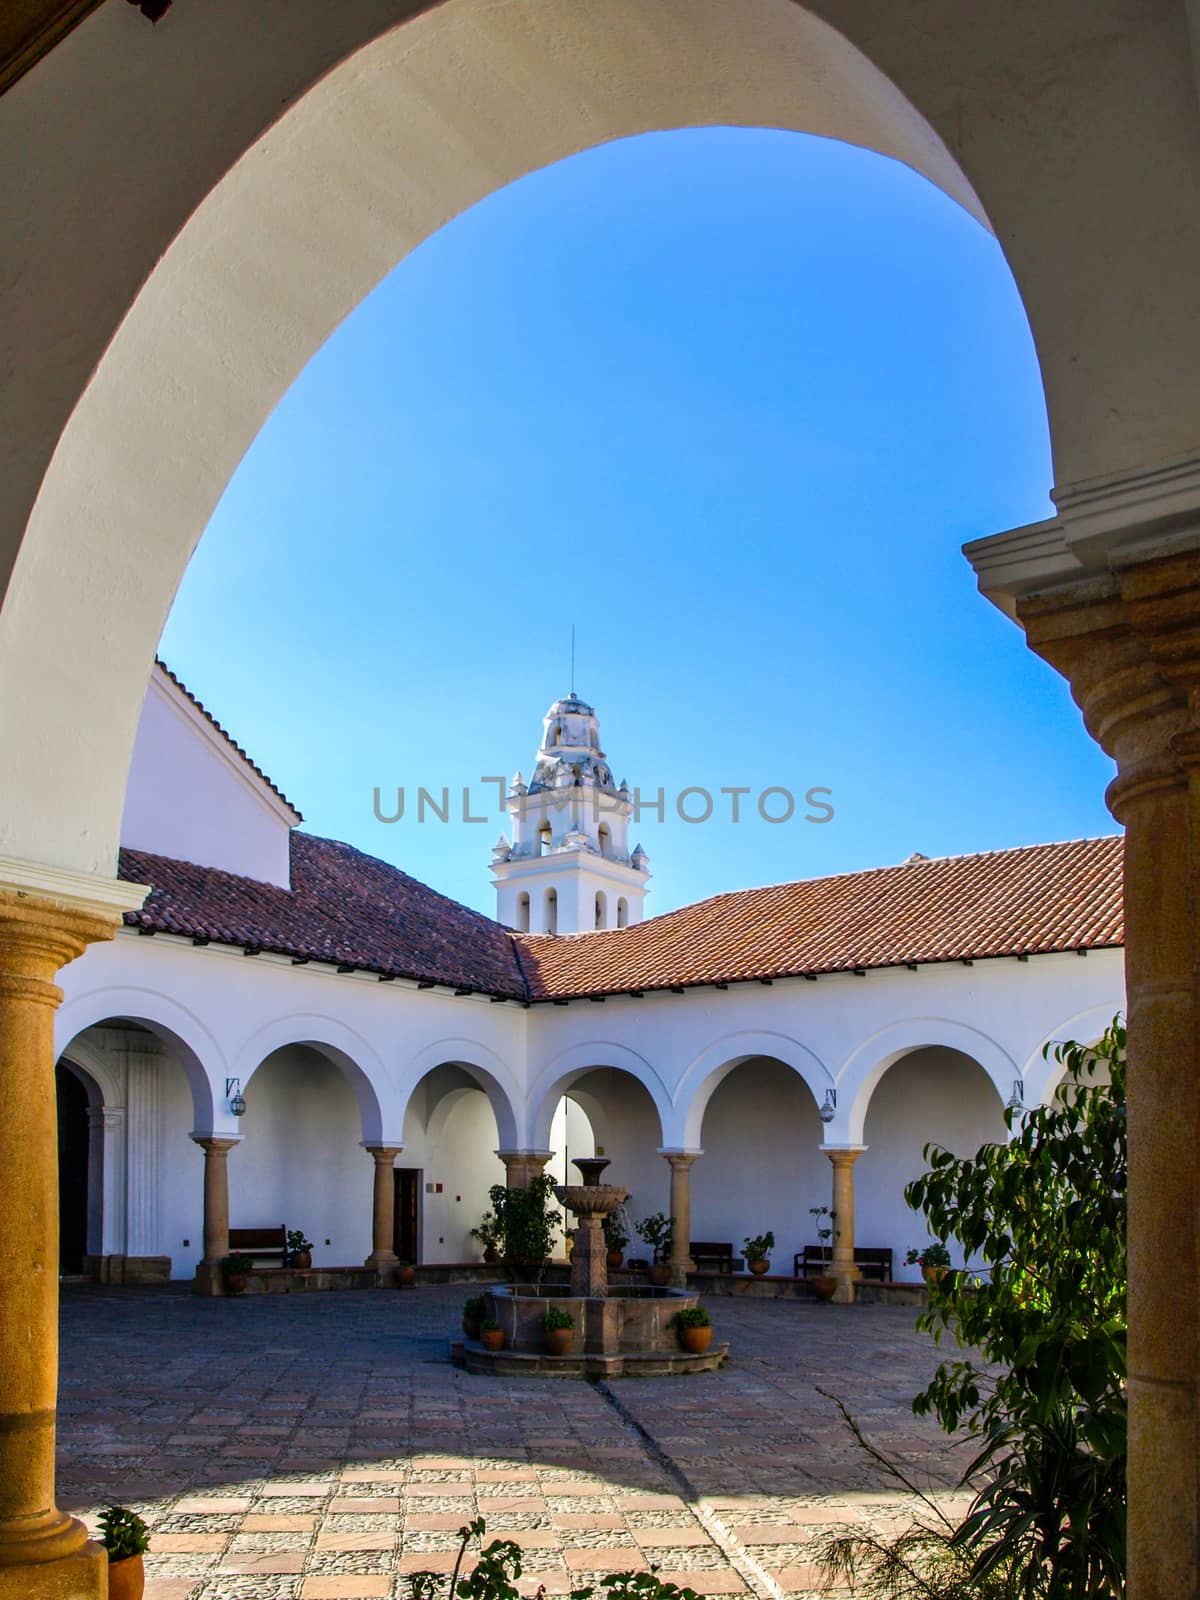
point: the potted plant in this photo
(406, 1275)
(473, 1315)
(758, 1252)
(237, 1269)
(826, 1284)
(558, 1325)
(657, 1231)
(615, 1238)
(126, 1538)
(933, 1261)
(299, 1249)
(491, 1334)
(488, 1235)
(694, 1327)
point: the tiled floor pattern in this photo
(321, 1446)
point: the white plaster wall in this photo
(180, 1173)
(300, 1161)
(762, 1167)
(192, 797)
(933, 1096)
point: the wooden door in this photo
(406, 1216)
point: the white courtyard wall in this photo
(192, 796)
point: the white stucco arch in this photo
(717, 1060)
(349, 1051)
(1042, 1076)
(858, 1077)
(590, 1056)
(203, 1060)
(490, 1071)
(81, 1053)
(389, 132)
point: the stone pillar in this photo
(842, 1265)
(112, 1230)
(680, 1260)
(383, 1255)
(1129, 644)
(209, 1277)
(522, 1166)
(589, 1257)
(43, 1551)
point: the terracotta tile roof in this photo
(225, 734)
(1037, 899)
(352, 910)
(343, 907)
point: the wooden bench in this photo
(873, 1261)
(267, 1243)
(702, 1251)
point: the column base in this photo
(846, 1277)
(83, 1575)
(385, 1264)
(210, 1279)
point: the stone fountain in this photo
(620, 1331)
(591, 1201)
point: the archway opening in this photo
(762, 1166)
(932, 1095)
(300, 1164)
(448, 1164)
(74, 1175)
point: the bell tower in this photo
(568, 868)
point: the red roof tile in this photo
(1027, 901)
(353, 910)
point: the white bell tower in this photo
(569, 868)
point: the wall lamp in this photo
(233, 1093)
(829, 1109)
(1016, 1100)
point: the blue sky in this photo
(729, 401)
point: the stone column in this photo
(1129, 644)
(209, 1277)
(383, 1255)
(842, 1265)
(43, 1551)
(680, 1260)
(522, 1166)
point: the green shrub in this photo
(495, 1574)
(525, 1221)
(296, 1242)
(557, 1317)
(489, 1325)
(931, 1255)
(692, 1317)
(123, 1533)
(657, 1231)
(759, 1247)
(474, 1307)
(237, 1266)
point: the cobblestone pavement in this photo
(321, 1445)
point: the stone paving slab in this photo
(296, 1448)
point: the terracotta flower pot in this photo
(235, 1283)
(695, 1340)
(491, 1255)
(759, 1267)
(302, 1260)
(933, 1274)
(826, 1287)
(126, 1579)
(559, 1340)
(471, 1328)
(659, 1274)
(615, 1258)
(492, 1338)
(406, 1277)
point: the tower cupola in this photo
(569, 867)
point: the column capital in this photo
(843, 1154)
(215, 1144)
(541, 1156)
(383, 1152)
(681, 1158)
